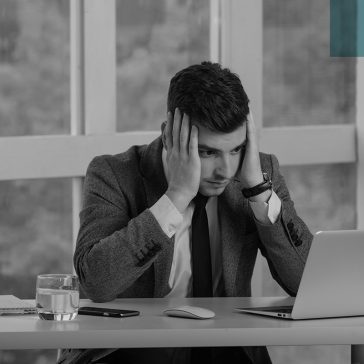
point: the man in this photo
(138, 224)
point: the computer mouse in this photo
(190, 312)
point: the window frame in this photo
(93, 109)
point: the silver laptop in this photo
(332, 283)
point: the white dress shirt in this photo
(174, 223)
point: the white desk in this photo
(153, 329)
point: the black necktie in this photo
(201, 256)
(201, 266)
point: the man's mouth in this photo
(219, 183)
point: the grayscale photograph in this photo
(181, 181)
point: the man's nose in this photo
(224, 167)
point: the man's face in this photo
(220, 155)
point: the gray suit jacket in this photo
(123, 252)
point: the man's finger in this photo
(184, 135)
(193, 145)
(176, 129)
(250, 126)
(168, 132)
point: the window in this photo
(34, 67)
(9, 30)
(302, 84)
(55, 118)
(154, 41)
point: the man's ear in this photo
(163, 127)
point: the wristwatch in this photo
(258, 189)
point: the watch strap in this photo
(259, 188)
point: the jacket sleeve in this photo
(286, 243)
(113, 248)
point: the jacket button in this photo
(151, 253)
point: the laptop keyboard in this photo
(287, 309)
(283, 309)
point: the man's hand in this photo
(251, 172)
(183, 161)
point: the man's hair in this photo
(210, 95)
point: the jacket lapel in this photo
(155, 184)
(151, 167)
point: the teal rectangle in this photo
(346, 28)
(360, 28)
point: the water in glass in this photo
(57, 297)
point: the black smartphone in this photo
(107, 312)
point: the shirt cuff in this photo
(267, 212)
(167, 215)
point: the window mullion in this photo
(215, 21)
(242, 54)
(100, 66)
(77, 99)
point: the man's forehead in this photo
(221, 141)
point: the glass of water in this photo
(57, 296)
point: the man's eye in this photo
(206, 153)
(237, 150)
